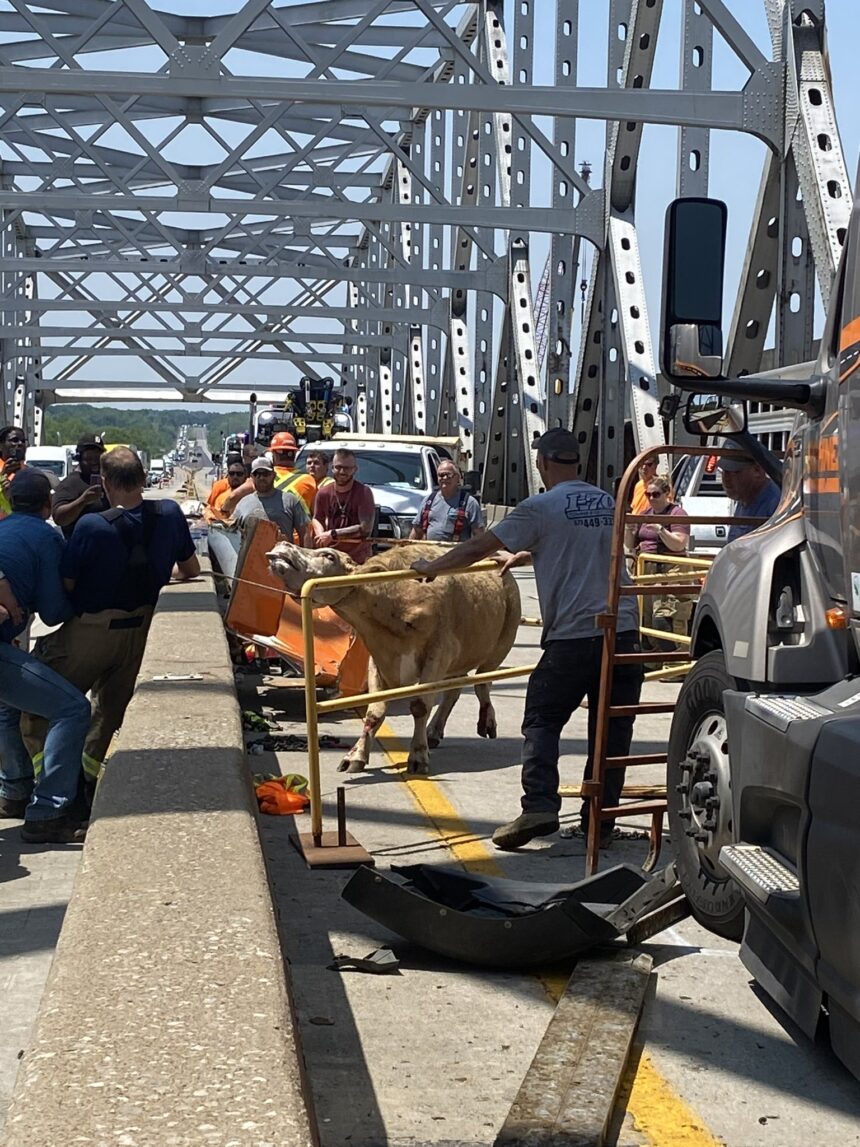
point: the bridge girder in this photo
(366, 189)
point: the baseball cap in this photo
(261, 464)
(90, 442)
(558, 444)
(30, 490)
(732, 465)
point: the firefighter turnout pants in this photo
(100, 653)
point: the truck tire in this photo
(698, 784)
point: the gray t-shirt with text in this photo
(443, 517)
(568, 531)
(281, 507)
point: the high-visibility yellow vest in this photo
(300, 483)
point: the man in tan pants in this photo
(114, 568)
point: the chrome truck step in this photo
(759, 871)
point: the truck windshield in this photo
(383, 468)
(51, 467)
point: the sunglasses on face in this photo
(235, 473)
(656, 494)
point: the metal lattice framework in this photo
(196, 207)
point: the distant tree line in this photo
(154, 431)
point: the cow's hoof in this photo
(489, 731)
(348, 765)
(433, 742)
(418, 767)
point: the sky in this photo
(735, 159)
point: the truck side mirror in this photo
(711, 414)
(694, 251)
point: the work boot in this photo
(525, 828)
(11, 809)
(59, 830)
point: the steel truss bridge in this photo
(195, 207)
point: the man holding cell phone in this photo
(81, 493)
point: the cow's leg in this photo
(436, 728)
(486, 713)
(358, 757)
(434, 669)
(418, 760)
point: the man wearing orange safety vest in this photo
(283, 449)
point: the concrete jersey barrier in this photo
(166, 1018)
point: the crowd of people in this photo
(321, 510)
(96, 574)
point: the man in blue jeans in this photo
(30, 554)
(567, 533)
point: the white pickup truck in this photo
(401, 471)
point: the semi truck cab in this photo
(763, 775)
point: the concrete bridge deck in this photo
(432, 1057)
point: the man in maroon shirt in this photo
(344, 512)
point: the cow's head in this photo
(294, 566)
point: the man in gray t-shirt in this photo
(279, 506)
(567, 533)
(449, 514)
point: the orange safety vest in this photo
(300, 483)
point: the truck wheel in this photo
(698, 783)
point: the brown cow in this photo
(415, 631)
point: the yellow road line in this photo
(452, 830)
(657, 1112)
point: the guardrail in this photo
(313, 707)
(700, 565)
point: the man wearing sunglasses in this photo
(449, 514)
(221, 490)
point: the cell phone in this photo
(95, 479)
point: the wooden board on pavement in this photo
(568, 1095)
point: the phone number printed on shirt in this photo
(590, 510)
